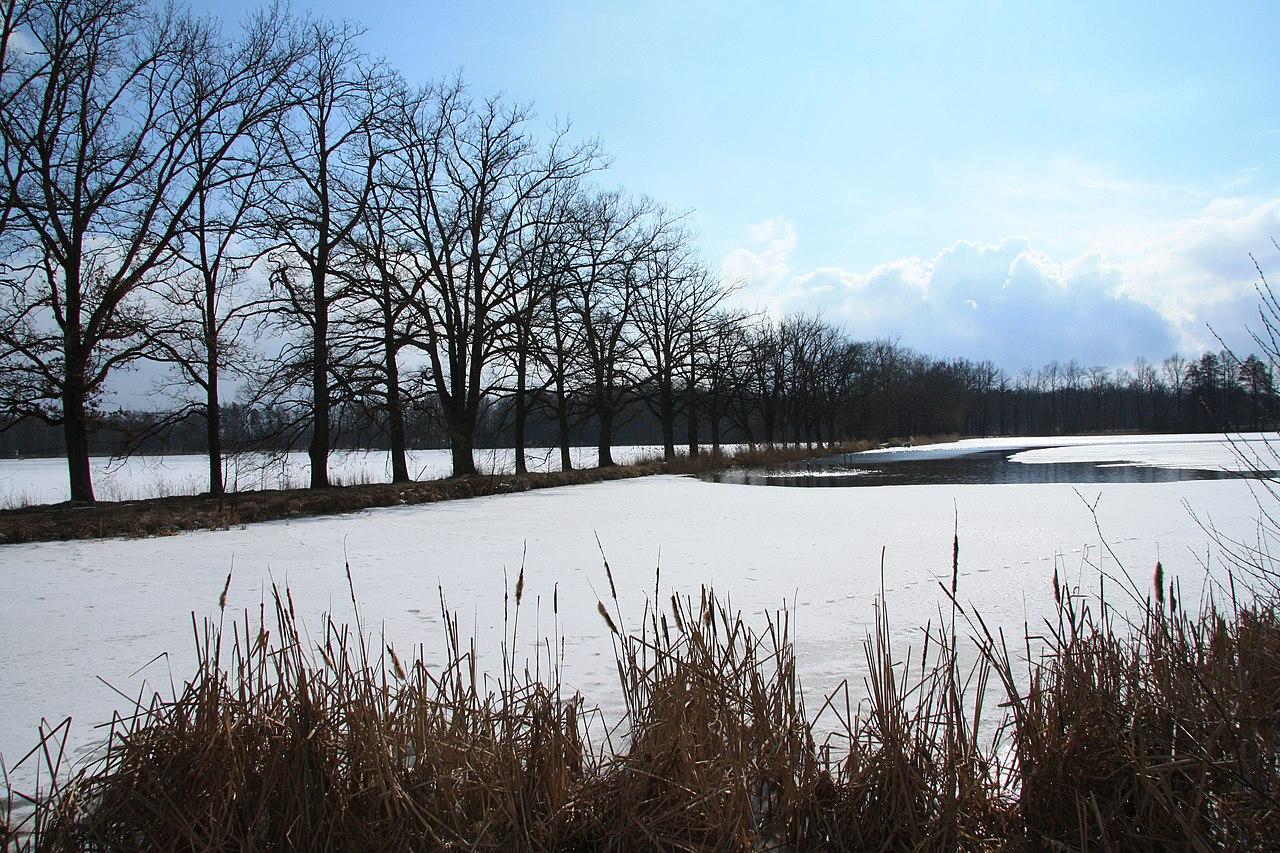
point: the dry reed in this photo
(1153, 733)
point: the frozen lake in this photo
(1144, 459)
(71, 611)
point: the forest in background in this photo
(871, 391)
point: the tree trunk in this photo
(604, 445)
(75, 429)
(395, 422)
(213, 426)
(462, 446)
(667, 415)
(691, 422)
(562, 424)
(518, 426)
(714, 417)
(319, 448)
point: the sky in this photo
(995, 180)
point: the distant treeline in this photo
(818, 387)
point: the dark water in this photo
(984, 467)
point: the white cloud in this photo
(762, 265)
(1132, 294)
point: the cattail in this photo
(396, 666)
(607, 619)
(222, 599)
(1057, 591)
(520, 585)
(955, 557)
(608, 572)
(1159, 583)
(613, 590)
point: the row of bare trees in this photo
(276, 210)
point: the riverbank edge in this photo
(166, 516)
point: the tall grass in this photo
(1100, 732)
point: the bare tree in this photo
(329, 146)
(473, 170)
(673, 312)
(724, 354)
(380, 322)
(559, 349)
(541, 256)
(205, 315)
(663, 316)
(100, 171)
(606, 283)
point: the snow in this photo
(35, 481)
(1237, 454)
(75, 610)
(1212, 452)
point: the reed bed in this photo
(1098, 731)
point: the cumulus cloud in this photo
(1129, 296)
(763, 264)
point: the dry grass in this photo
(1148, 735)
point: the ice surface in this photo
(70, 611)
(1179, 450)
(1237, 453)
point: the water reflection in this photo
(984, 467)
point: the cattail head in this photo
(955, 562)
(520, 586)
(1057, 589)
(1158, 582)
(396, 666)
(607, 619)
(222, 599)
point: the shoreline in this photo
(165, 516)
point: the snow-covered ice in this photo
(71, 611)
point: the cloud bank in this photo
(1130, 295)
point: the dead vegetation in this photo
(1095, 732)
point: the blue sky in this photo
(962, 176)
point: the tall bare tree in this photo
(328, 146)
(474, 169)
(673, 305)
(380, 322)
(99, 173)
(558, 348)
(206, 313)
(611, 242)
(541, 261)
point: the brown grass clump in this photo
(1151, 736)
(1100, 733)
